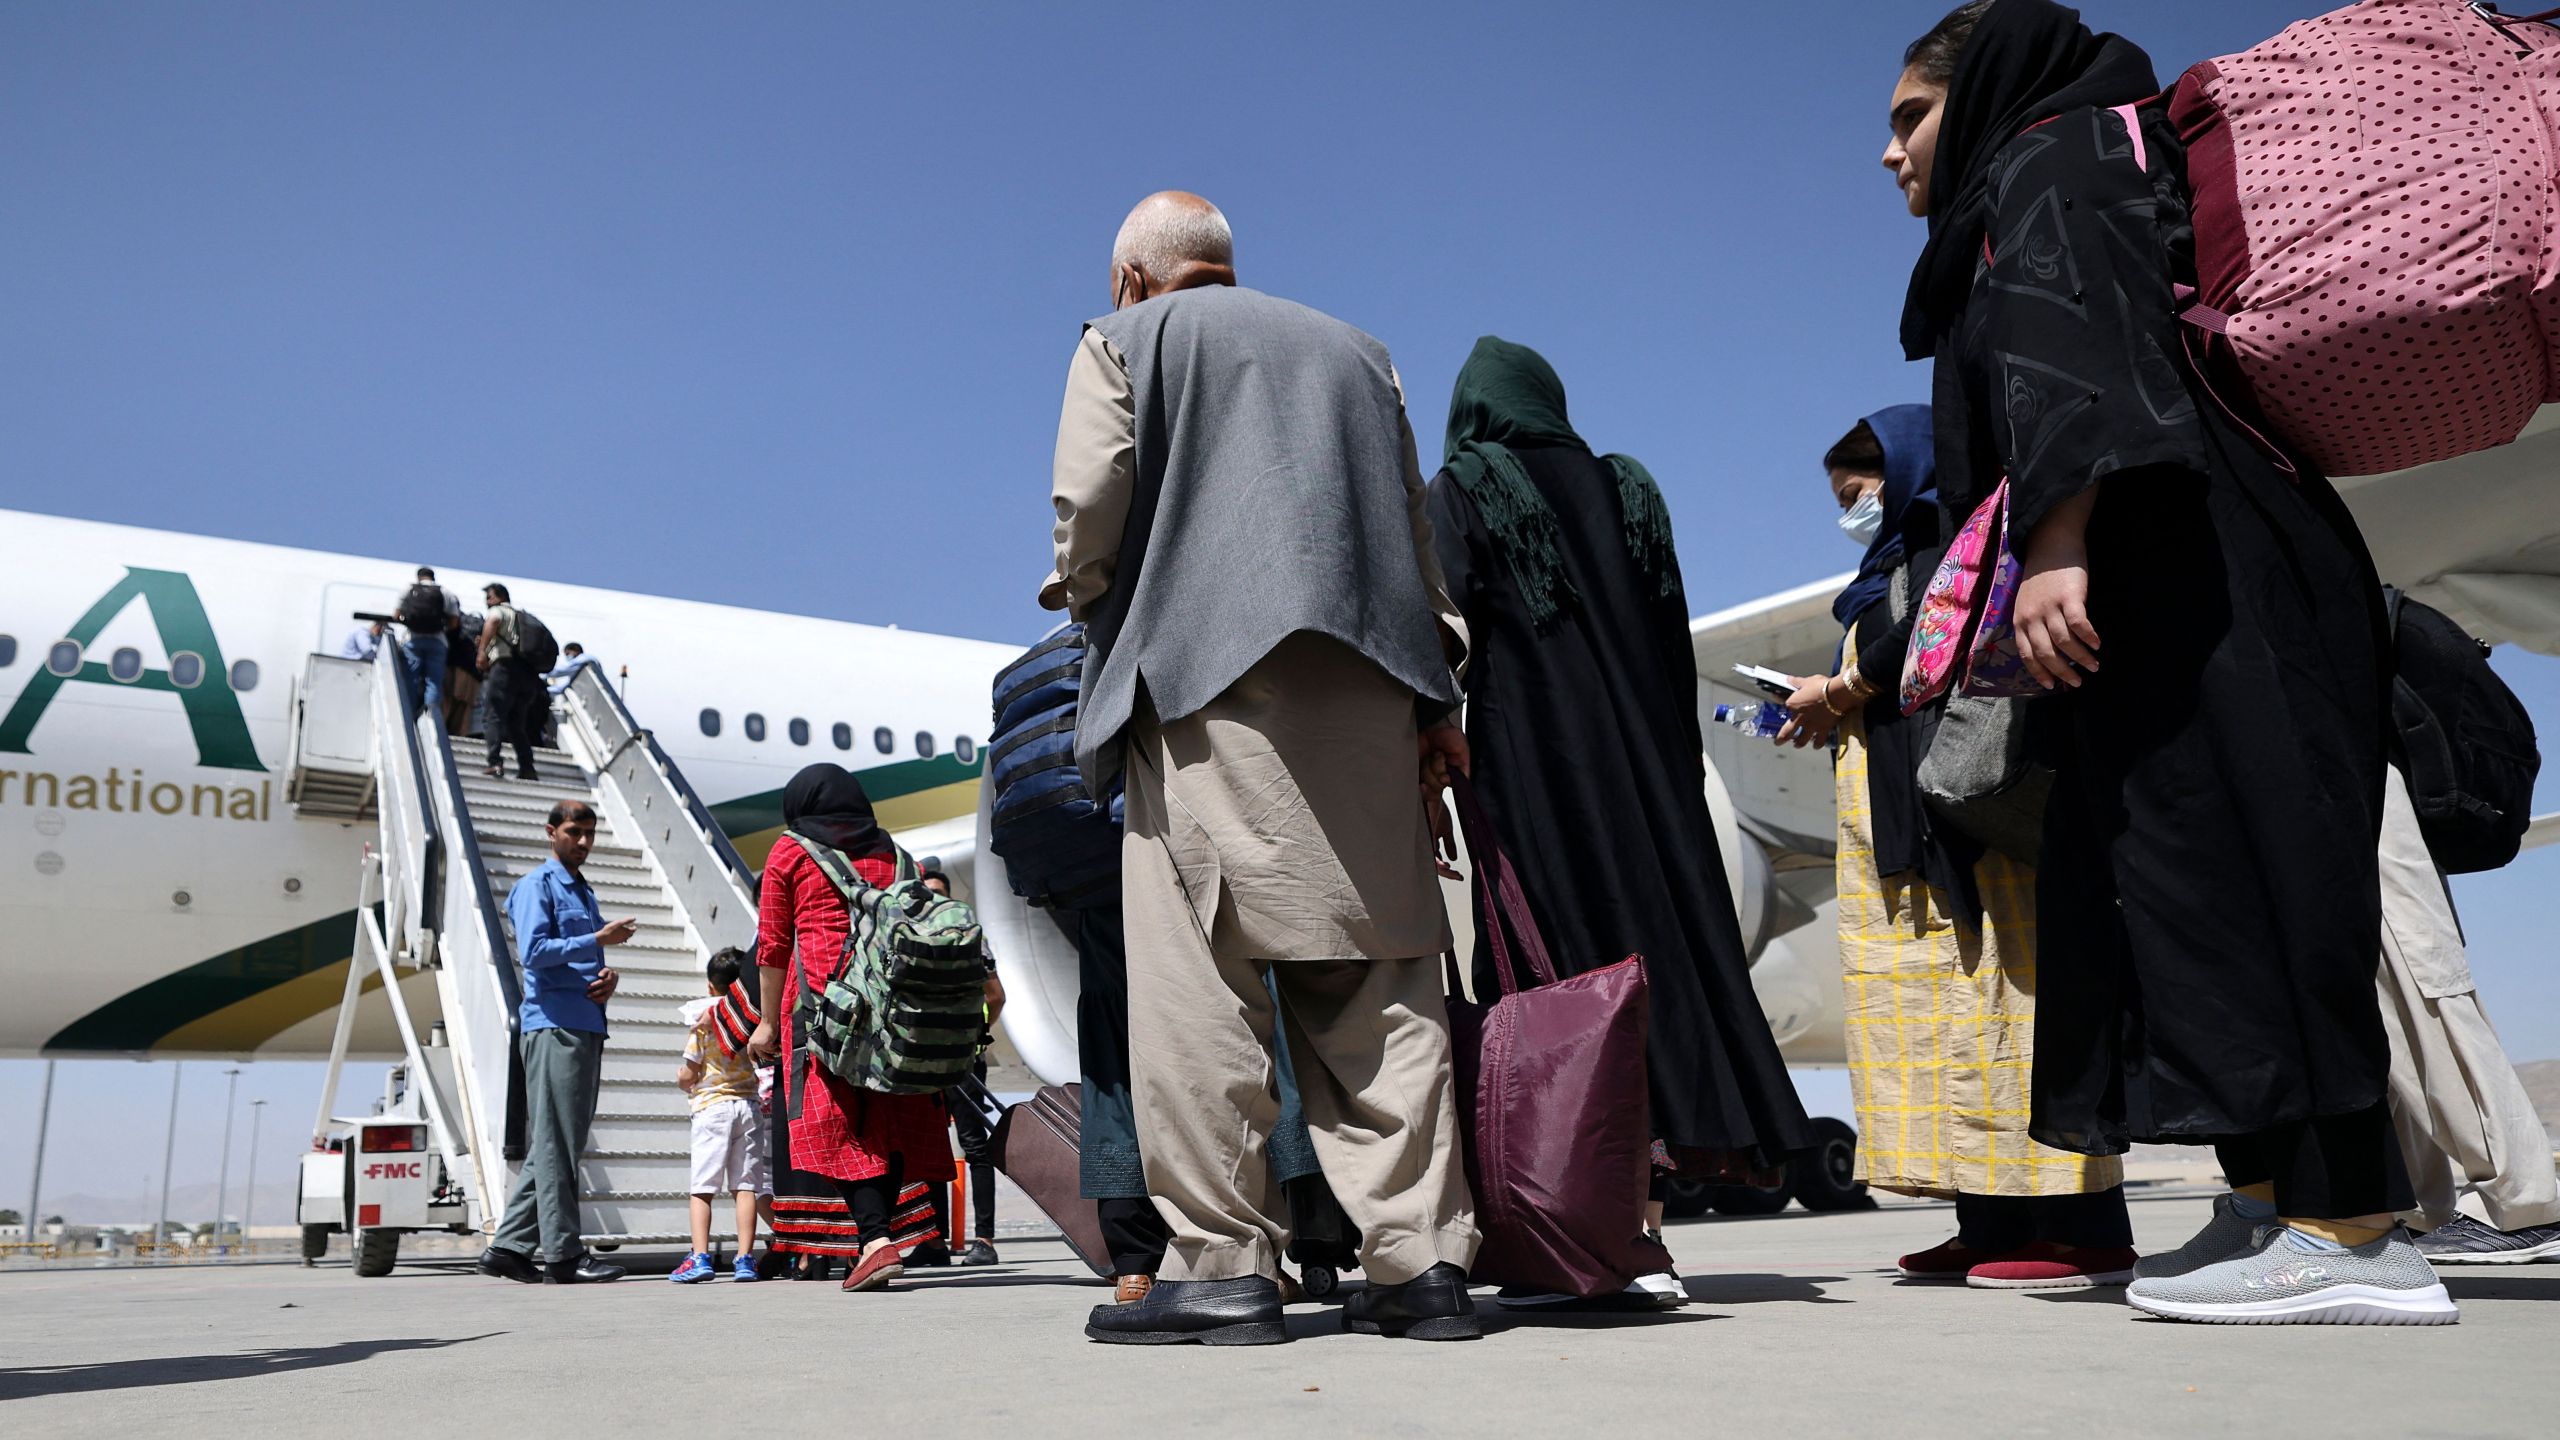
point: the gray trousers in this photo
(563, 1071)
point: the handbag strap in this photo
(1506, 906)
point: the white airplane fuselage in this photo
(157, 893)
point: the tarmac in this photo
(1799, 1327)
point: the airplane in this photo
(155, 873)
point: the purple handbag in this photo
(1552, 1101)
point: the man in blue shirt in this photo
(562, 938)
(573, 658)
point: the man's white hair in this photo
(1170, 230)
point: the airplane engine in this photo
(1035, 955)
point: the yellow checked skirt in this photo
(1941, 1022)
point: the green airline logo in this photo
(213, 712)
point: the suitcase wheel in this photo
(1319, 1281)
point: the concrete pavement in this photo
(1800, 1328)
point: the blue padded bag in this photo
(1060, 846)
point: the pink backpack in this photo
(2377, 235)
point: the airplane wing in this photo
(2477, 537)
(1782, 797)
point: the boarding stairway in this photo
(453, 842)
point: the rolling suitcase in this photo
(1035, 1146)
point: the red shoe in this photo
(1948, 1261)
(2047, 1266)
(885, 1264)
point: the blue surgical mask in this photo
(1863, 521)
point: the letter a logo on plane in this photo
(213, 712)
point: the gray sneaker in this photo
(2381, 1282)
(2225, 1235)
(2465, 1241)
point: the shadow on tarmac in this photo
(1763, 1289)
(2476, 1286)
(39, 1380)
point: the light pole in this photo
(249, 1203)
(222, 1187)
(168, 1153)
(44, 1117)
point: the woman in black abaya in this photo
(1582, 715)
(2210, 622)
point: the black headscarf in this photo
(1909, 497)
(2027, 61)
(1507, 395)
(826, 803)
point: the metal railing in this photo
(425, 903)
(712, 884)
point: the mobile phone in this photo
(1775, 682)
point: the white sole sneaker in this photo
(2346, 1304)
(2066, 1282)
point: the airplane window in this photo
(710, 722)
(125, 665)
(64, 658)
(799, 732)
(755, 727)
(8, 651)
(924, 743)
(186, 669)
(843, 736)
(884, 741)
(966, 749)
(244, 675)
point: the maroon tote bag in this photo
(1551, 1100)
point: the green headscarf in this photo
(1509, 395)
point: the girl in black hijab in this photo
(2208, 872)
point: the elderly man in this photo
(1240, 524)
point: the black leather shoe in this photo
(585, 1270)
(500, 1263)
(931, 1255)
(1433, 1305)
(980, 1252)
(1194, 1312)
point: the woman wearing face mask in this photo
(1937, 932)
(2205, 613)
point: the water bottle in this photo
(1758, 721)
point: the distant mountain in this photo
(188, 1204)
(2542, 1081)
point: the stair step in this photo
(475, 785)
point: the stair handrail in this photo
(464, 933)
(411, 850)
(472, 912)
(589, 692)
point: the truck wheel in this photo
(1825, 1177)
(315, 1242)
(1750, 1199)
(376, 1250)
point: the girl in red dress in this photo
(851, 1166)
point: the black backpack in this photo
(2463, 739)
(422, 610)
(534, 644)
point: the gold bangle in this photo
(1836, 711)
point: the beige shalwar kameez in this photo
(1277, 830)
(2464, 1119)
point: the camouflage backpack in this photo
(905, 1011)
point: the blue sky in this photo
(772, 306)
